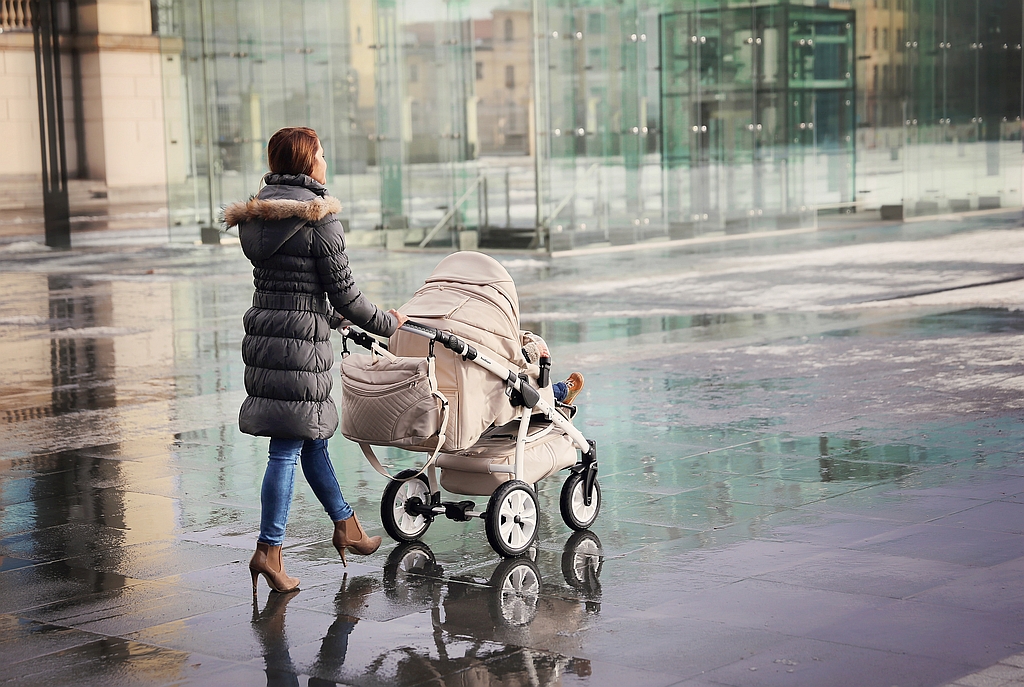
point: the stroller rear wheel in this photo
(512, 518)
(575, 512)
(399, 523)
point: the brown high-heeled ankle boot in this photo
(349, 534)
(267, 561)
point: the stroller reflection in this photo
(513, 592)
(480, 623)
(513, 606)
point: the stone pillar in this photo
(122, 102)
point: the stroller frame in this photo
(511, 506)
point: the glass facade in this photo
(559, 124)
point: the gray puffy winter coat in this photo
(304, 288)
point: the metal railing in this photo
(452, 210)
(15, 15)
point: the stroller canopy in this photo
(472, 296)
(477, 298)
(477, 269)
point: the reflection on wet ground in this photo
(476, 623)
(828, 492)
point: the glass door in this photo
(561, 136)
(424, 87)
(962, 121)
(687, 125)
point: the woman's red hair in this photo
(292, 150)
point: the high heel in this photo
(349, 534)
(267, 561)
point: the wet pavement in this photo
(810, 454)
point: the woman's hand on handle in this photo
(402, 319)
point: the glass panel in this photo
(433, 189)
(957, 73)
(246, 69)
(758, 121)
(598, 123)
(564, 56)
(822, 112)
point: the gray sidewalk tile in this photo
(811, 663)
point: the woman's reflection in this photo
(269, 627)
(349, 600)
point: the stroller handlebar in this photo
(449, 341)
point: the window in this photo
(508, 30)
(874, 79)
(885, 39)
(414, 73)
(885, 77)
(874, 38)
(899, 40)
(510, 77)
(359, 34)
(479, 71)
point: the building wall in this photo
(362, 39)
(19, 114)
(882, 50)
(503, 111)
(121, 105)
(126, 122)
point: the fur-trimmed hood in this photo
(312, 210)
(280, 209)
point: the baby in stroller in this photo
(485, 410)
(535, 350)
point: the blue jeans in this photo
(559, 389)
(279, 482)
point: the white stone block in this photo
(132, 17)
(24, 110)
(18, 86)
(148, 87)
(19, 62)
(128, 109)
(117, 86)
(151, 133)
(126, 63)
(20, 152)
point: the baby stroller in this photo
(455, 382)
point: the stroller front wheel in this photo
(512, 517)
(575, 512)
(399, 523)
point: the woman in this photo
(304, 288)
